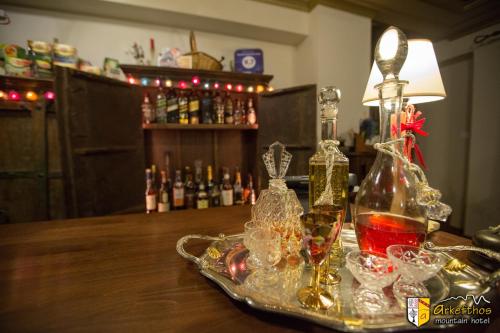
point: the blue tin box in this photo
(249, 61)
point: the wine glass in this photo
(415, 266)
(250, 227)
(266, 246)
(319, 231)
(373, 273)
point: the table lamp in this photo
(421, 71)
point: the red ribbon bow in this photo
(411, 123)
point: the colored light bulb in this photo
(49, 95)
(250, 89)
(31, 96)
(144, 82)
(182, 84)
(195, 80)
(239, 88)
(229, 86)
(131, 80)
(14, 95)
(260, 88)
(206, 85)
(168, 83)
(216, 85)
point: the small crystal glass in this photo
(266, 246)
(250, 226)
(415, 266)
(319, 231)
(373, 273)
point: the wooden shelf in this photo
(25, 83)
(199, 127)
(187, 74)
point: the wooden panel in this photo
(288, 116)
(102, 143)
(18, 198)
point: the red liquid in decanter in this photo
(375, 232)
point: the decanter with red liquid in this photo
(387, 209)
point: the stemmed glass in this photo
(319, 231)
(266, 247)
(373, 273)
(415, 266)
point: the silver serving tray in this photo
(224, 263)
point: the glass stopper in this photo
(390, 52)
(277, 160)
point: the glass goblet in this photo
(319, 231)
(373, 273)
(266, 245)
(415, 265)
(250, 226)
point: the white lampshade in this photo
(420, 70)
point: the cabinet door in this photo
(102, 144)
(289, 116)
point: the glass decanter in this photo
(329, 178)
(278, 207)
(387, 209)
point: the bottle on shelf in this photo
(194, 109)
(183, 109)
(178, 191)
(251, 115)
(163, 202)
(237, 188)
(218, 109)
(147, 111)
(202, 201)
(161, 107)
(213, 189)
(206, 108)
(238, 113)
(249, 196)
(167, 171)
(150, 193)
(153, 175)
(198, 173)
(190, 190)
(227, 189)
(228, 110)
(172, 108)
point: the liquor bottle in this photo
(206, 109)
(163, 202)
(202, 201)
(238, 114)
(238, 189)
(189, 189)
(153, 176)
(150, 193)
(178, 191)
(332, 197)
(194, 109)
(198, 173)
(251, 115)
(213, 189)
(147, 111)
(172, 108)
(329, 178)
(228, 110)
(218, 109)
(249, 192)
(183, 109)
(167, 172)
(161, 107)
(227, 190)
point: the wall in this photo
(337, 52)
(97, 38)
(463, 150)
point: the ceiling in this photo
(435, 19)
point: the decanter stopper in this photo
(277, 160)
(390, 52)
(328, 99)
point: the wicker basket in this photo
(201, 60)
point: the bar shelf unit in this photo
(219, 145)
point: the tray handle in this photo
(181, 242)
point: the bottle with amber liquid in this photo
(228, 110)
(329, 179)
(251, 117)
(150, 193)
(218, 110)
(163, 200)
(213, 189)
(178, 191)
(172, 107)
(238, 188)
(189, 190)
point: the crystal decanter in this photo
(278, 207)
(394, 201)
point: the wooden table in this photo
(123, 274)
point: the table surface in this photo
(123, 274)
